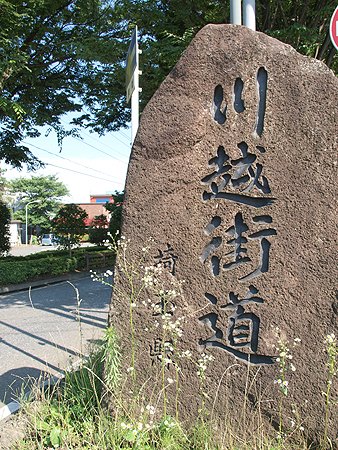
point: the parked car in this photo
(49, 239)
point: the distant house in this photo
(99, 198)
(96, 207)
(15, 229)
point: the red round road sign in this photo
(334, 28)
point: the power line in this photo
(106, 145)
(67, 159)
(102, 143)
(76, 171)
(124, 135)
(113, 136)
(101, 151)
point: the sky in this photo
(102, 161)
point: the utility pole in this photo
(26, 207)
(132, 82)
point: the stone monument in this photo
(233, 176)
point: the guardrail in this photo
(98, 259)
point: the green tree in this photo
(55, 58)
(98, 231)
(116, 214)
(69, 225)
(167, 27)
(5, 218)
(60, 56)
(3, 184)
(46, 190)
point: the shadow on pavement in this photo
(40, 340)
(15, 383)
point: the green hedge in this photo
(20, 269)
(47, 253)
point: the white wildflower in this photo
(150, 409)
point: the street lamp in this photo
(33, 201)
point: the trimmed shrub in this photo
(48, 253)
(18, 269)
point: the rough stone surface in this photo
(241, 205)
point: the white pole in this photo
(135, 104)
(249, 14)
(26, 237)
(26, 207)
(135, 109)
(236, 12)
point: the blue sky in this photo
(102, 162)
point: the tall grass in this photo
(75, 414)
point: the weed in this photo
(73, 415)
(332, 352)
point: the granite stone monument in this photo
(233, 177)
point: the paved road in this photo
(24, 250)
(42, 335)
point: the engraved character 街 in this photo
(239, 252)
(239, 238)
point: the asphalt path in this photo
(41, 334)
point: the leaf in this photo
(130, 436)
(55, 437)
(41, 425)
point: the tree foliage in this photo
(69, 225)
(116, 213)
(45, 191)
(3, 184)
(166, 28)
(5, 218)
(60, 56)
(55, 58)
(98, 231)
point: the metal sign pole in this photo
(132, 82)
(135, 101)
(236, 12)
(249, 14)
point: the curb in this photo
(44, 282)
(9, 409)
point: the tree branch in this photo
(324, 46)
